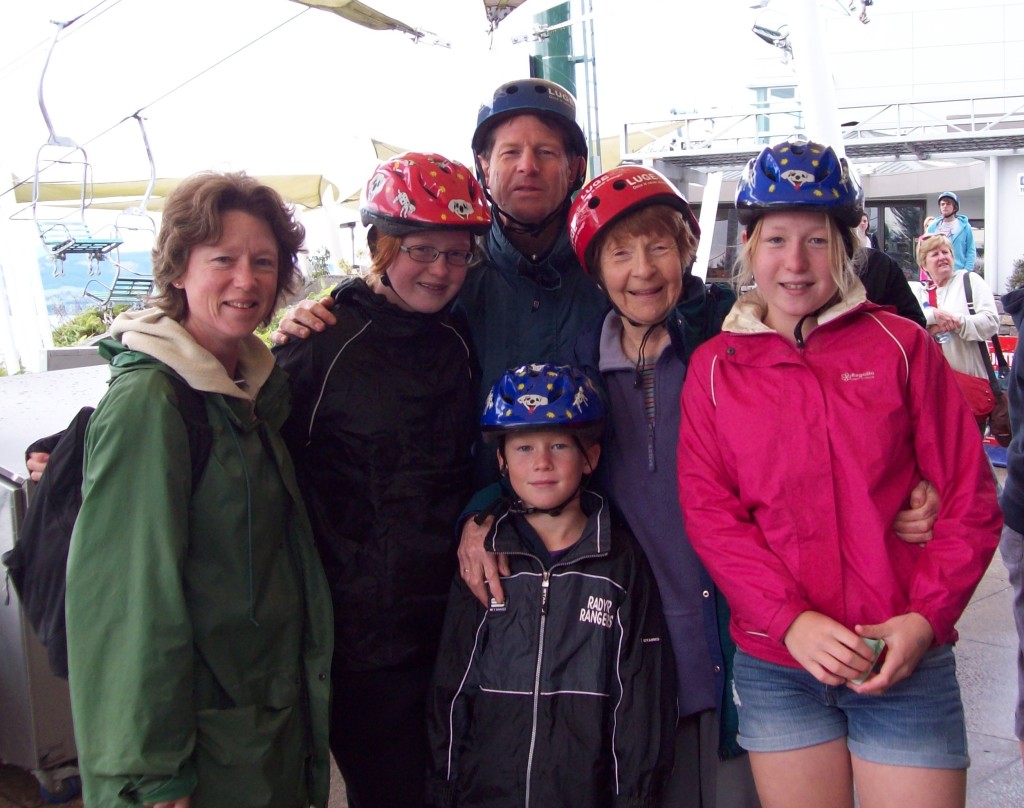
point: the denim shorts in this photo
(917, 722)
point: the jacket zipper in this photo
(544, 590)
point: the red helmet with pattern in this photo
(609, 197)
(416, 191)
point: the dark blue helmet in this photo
(530, 97)
(798, 175)
(542, 396)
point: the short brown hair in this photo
(193, 215)
(648, 221)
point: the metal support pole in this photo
(708, 215)
(995, 274)
(814, 75)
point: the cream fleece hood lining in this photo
(152, 332)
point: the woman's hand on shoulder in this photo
(907, 638)
(479, 569)
(302, 319)
(181, 802)
(826, 649)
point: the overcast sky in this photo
(307, 96)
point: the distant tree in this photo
(1016, 279)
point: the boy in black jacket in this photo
(564, 694)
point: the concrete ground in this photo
(985, 653)
(988, 679)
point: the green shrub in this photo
(1016, 279)
(264, 333)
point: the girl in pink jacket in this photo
(806, 423)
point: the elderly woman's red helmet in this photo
(609, 197)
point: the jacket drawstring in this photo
(248, 517)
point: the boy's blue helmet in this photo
(798, 175)
(542, 396)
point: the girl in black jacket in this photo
(381, 430)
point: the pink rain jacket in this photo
(793, 463)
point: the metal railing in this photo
(996, 118)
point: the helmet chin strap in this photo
(516, 504)
(510, 224)
(638, 380)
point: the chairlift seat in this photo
(126, 291)
(74, 237)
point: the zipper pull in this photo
(544, 593)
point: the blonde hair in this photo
(929, 242)
(838, 260)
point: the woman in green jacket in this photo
(199, 620)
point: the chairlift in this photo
(128, 288)
(68, 235)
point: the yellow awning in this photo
(361, 14)
(307, 190)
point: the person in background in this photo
(198, 617)
(1011, 543)
(883, 280)
(947, 313)
(867, 238)
(382, 427)
(791, 509)
(564, 694)
(955, 226)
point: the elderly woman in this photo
(946, 309)
(199, 620)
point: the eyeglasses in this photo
(425, 254)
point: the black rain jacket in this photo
(382, 424)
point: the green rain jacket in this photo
(199, 625)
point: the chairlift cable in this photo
(46, 41)
(174, 89)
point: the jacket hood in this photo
(152, 332)
(747, 316)
(1013, 304)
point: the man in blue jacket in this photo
(528, 299)
(955, 226)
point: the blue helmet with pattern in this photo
(798, 175)
(542, 397)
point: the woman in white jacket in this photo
(949, 317)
